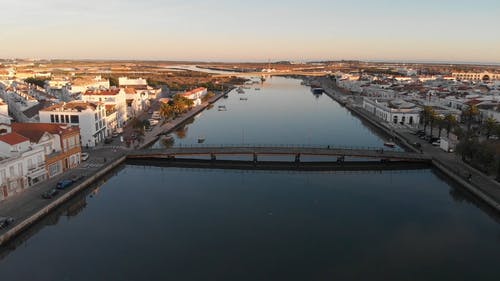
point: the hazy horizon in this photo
(257, 31)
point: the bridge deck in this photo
(302, 151)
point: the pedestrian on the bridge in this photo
(469, 178)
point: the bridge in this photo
(276, 73)
(254, 152)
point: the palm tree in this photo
(489, 125)
(440, 123)
(450, 122)
(166, 110)
(427, 115)
(470, 113)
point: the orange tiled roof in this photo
(74, 105)
(130, 91)
(34, 131)
(13, 138)
(110, 92)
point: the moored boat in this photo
(390, 144)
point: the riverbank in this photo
(152, 137)
(28, 207)
(472, 180)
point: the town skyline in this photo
(258, 31)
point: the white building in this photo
(89, 116)
(195, 95)
(19, 99)
(5, 119)
(476, 76)
(139, 83)
(393, 111)
(115, 101)
(137, 101)
(21, 165)
(82, 84)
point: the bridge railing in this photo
(315, 146)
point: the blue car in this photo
(62, 184)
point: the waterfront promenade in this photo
(27, 207)
(476, 182)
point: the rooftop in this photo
(110, 92)
(34, 131)
(73, 105)
(13, 138)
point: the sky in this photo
(258, 30)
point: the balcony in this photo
(36, 170)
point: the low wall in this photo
(18, 228)
(471, 188)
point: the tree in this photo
(432, 120)
(440, 123)
(166, 110)
(489, 125)
(450, 121)
(469, 114)
(426, 116)
(35, 81)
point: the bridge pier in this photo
(297, 158)
(255, 160)
(341, 159)
(213, 157)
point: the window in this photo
(52, 118)
(71, 142)
(11, 171)
(3, 175)
(67, 118)
(75, 119)
(55, 168)
(57, 118)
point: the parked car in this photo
(108, 140)
(63, 184)
(5, 222)
(50, 193)
(115, 134)
(84, 156)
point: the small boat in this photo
(222, 108)
(243, 98)
(201, 139)
(240, 90)
(390, 144)
(257, 89)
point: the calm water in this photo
(151, 223)
(282, 112)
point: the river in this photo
(153, 223)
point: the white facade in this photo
(114, 99)
(21, 166)
(407, 113)
(89, 117)
(476, 76)
(126, 82)
(196, 95)
(82, 84)
(137, 101)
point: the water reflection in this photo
(193, 224)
